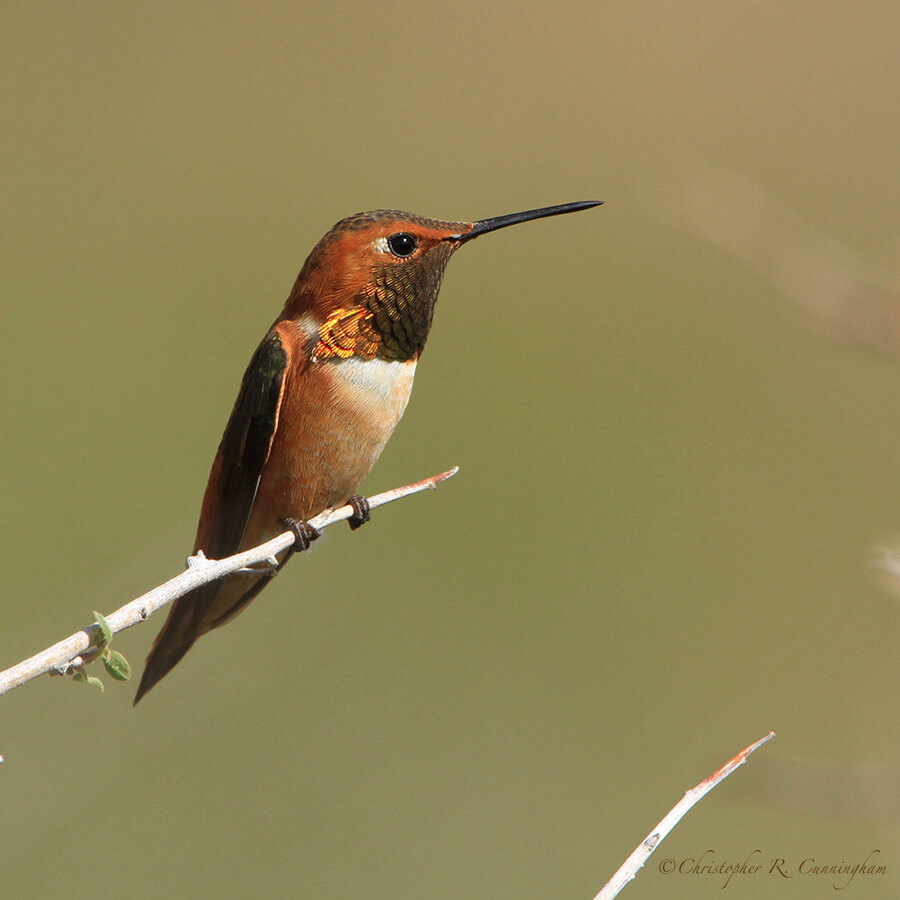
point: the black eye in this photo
(402, 244)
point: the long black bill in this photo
(486, 225)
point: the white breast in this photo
(375, 388)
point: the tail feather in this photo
(191, 616)
(176, 637)
(159, 663)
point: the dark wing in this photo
(226, 508)
(245, 446)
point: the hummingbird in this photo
(319, 400)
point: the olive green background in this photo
(656, 548)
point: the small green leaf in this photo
(104, 627)
(117, 666)
(81, 675)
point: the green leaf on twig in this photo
(106, 640)
(117, 666)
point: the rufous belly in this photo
(335, 418)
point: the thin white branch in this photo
(887, 560)
(852, 299)
(201, 570)
(642, 852)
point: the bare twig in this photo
(848, 297)
(886, 560)
(642, 852)
(60, 657)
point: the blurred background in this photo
(675, 418)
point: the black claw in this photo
(362, 512)
(304, 533)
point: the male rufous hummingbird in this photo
(319, 400)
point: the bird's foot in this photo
(304, 533)
(362, 512)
